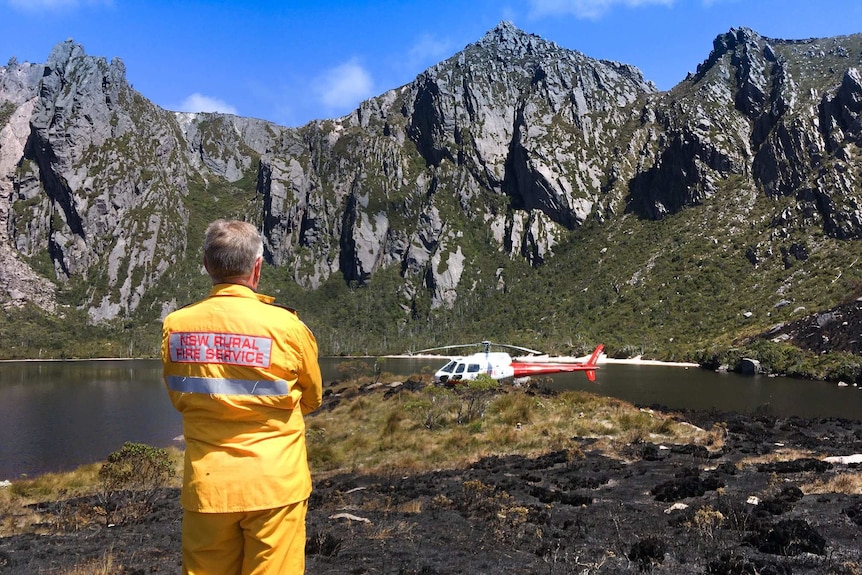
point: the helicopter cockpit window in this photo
(448, 367)
(473, 368)
(460, 368)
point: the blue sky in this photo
(294, 61)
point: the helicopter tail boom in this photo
(524, 368)
(594, 358)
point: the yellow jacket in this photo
(237, 367)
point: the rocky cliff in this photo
(511, 134)
(494, 156)
(784, 116)
(97, 178)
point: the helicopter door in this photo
(444, 373)
(459, 371)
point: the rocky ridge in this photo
(497, 153)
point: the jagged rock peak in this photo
(742, 39)
(744, 35)
(507, 38)
(65, 52)
(19, 82)
(735, 37)
(512, 42)
(507, 35)
(729, 42)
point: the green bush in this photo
(131, 479)
(475, 397)
(354, 369)
(433, 406)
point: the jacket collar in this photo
(237, 290)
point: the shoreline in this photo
(59, 359)
(640, 361)
(603, 359)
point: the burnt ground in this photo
(837, 329)
(679, 510)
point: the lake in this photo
(55, 416)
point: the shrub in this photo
(131, 480)
(476, 397)
(435, 404)
(355, 369)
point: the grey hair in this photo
(231, 248)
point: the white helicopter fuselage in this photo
(498, 365)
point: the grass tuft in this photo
(846, 483)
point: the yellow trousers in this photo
(267, 542)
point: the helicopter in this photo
(500, 365)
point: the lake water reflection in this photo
(57, 415)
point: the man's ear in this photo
(214, 279)
(256, 271)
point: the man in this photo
(242, 372)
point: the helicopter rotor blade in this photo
(519, 348)
(444, 347)
(486, 345)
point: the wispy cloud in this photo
(586, 9)
(344, 86)
(53, 5)
(428, 50)
(200, 103)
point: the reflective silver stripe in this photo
(227, 386)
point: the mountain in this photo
(516, 190)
